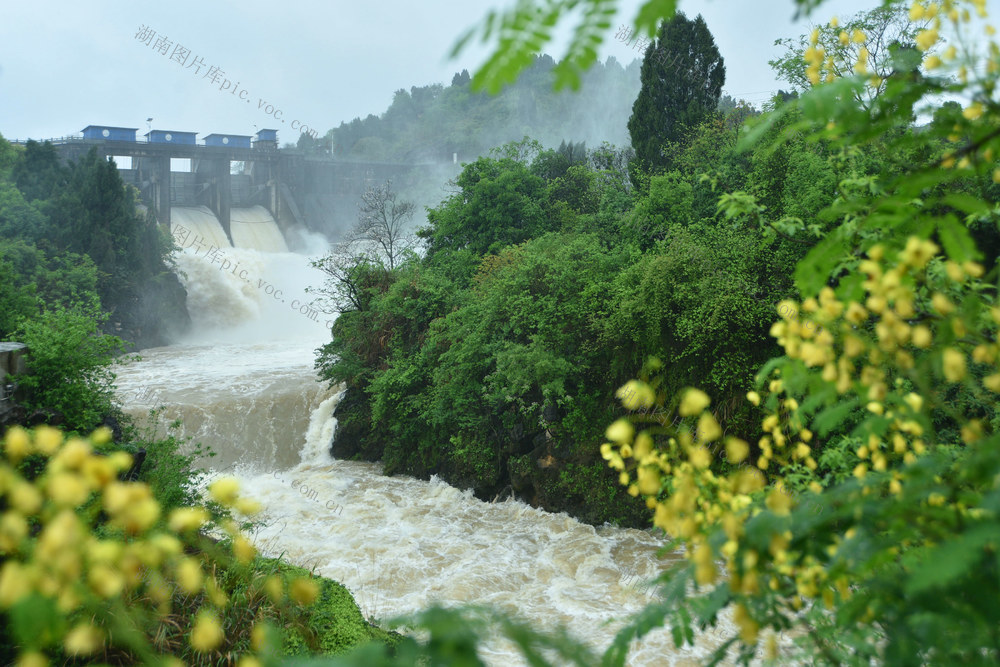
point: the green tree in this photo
(39, 174)
(679, 97)
(69, 364)
(500, 203)
(879, 42)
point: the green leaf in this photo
(749, 139)
(816, 267)
(36, 621)
(957, 241)
(650, 14)
(940, 565)
(831, 417)
(461, 42)
(967, 203)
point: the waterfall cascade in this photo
(244, 384)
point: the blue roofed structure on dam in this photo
(171, 137)
(228, 140)
(109, 133)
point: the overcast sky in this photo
(65, 65)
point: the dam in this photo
(233, 176)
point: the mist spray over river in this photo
(244, 384)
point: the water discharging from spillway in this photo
(245, 385)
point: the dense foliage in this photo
(492, 360)
(79, 263)
(70, 232)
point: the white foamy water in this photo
(254, 227)
(399, 544)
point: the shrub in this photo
(93, 569)
(69, 364)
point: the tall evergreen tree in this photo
(677, 95)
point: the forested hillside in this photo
(430, 123)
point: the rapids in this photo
(243, 383)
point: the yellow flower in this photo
(916, 11)
(844, 38)
(303, 591)
(954, 271)
(700, 457)
(708, 428)
(649, 480)
(643, 446)
(101, 436)
(258, 636)
(992, 382)
(225, 490)
(973, 111)
(856, 313)
(184, 519)
(67, 489)
(753, 397)
(14, 583)
(98, 471)
(926, 39)
(917, 252)
(694, 402)
(748, 627)
(48, 439)
(247, 506)
(974, 269)
(83, 640)
(13, 529)
(736, 450)
(141, 515)
(74, 453)
(834, 22)
(17, 444)
(25, 498)
(32, 659)
(189, 575)
(206, 633)
(953, 364)
(275, 588)
(243, 550)
(635, 394)
(922, 336)
(117, 497)
(858, 37)
(932, 62)
(621, 432)
(915, 401)
(778, 501)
